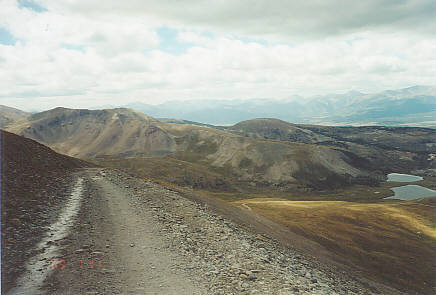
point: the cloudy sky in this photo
(85, 53)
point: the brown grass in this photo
(393, 241)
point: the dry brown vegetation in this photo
(393, 241)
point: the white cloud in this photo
(88, 53)
(281, 18)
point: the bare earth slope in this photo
(33, 175)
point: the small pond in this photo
(411, 192)
(397, 177)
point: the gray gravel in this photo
(226, 258)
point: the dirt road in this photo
(130, 236)
(116, 248)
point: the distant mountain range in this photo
(413, 106)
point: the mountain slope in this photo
(86, 133)
(411, 139)
(373, 148)
(32, 179)
(277, 130)
(258, 160)
(9, 115)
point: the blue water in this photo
(412, 192)
(397, 177)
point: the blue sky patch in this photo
(6, 38)
(169, 42)
(31, 4)
(209, 35)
